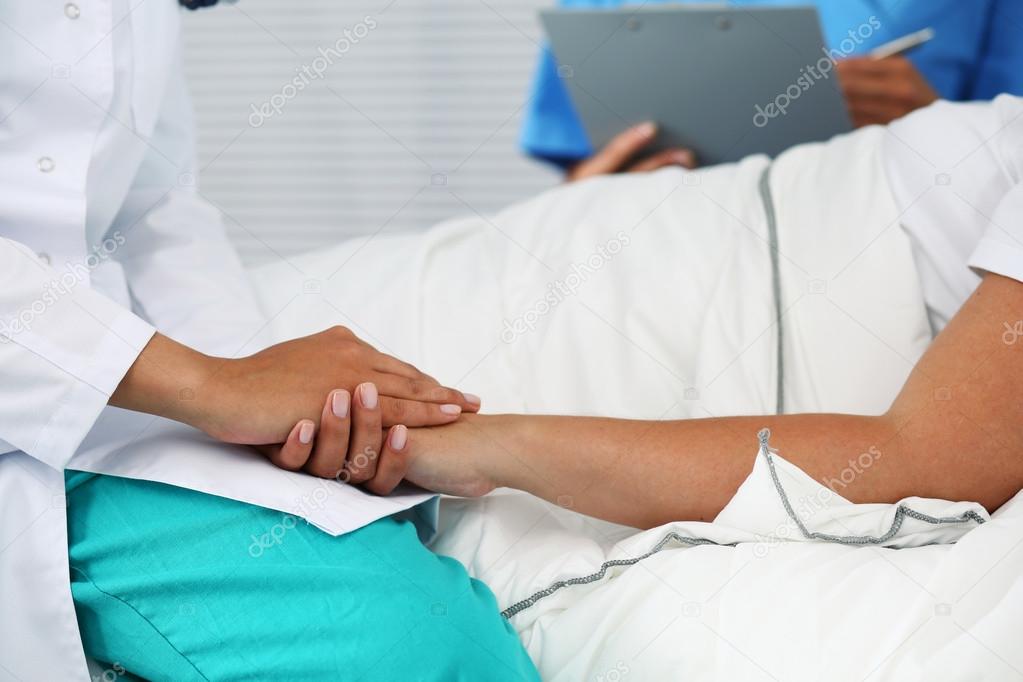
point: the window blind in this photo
(320, 120)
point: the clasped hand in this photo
(317, 404)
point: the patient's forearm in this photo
(646, 473)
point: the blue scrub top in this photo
(977, 53)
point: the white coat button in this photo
(44, 257)
(45, 164)
(71, 11)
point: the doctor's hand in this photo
(618, 153)
(349, 445)
(259, 399)
(878, 91)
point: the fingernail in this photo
(646, 129)
(368, 395)
(399, 437)
(339, 403)
(451, 409)
(305, 433)
(472, 398)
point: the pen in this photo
(903, 44)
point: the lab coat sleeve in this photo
(183, 274)
(64, 347)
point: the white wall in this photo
(416, 122)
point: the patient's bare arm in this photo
(955, 431)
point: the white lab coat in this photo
(103, 238)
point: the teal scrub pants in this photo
(171, 584)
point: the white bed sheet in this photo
(678, 323)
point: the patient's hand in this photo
(878, 91)
(457, 459)
(617, 155)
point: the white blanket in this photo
(773, 607)
(650, 297)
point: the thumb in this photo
(616, 153)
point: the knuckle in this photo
(359, 476)
(415, 386)
(913, 96)
(443, 393)
(422, 377)
(903, 91)
(399, 411)
(289, 460)
(361, 464)
(379, 486)
(349, 340)
(321, 471)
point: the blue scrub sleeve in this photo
(1001, 67)
(552, 130)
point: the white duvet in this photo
(650, 297)
(768, 608)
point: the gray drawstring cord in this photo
(772, 243)
(901, 512)
(554, 587)
(766, 451)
